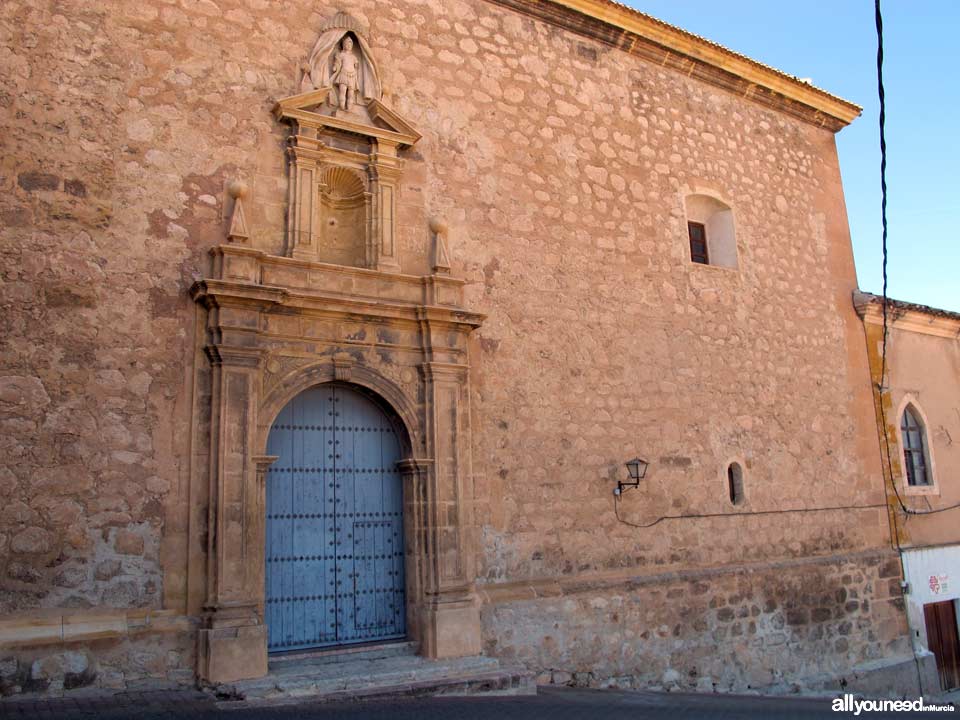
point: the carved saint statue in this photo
(346, 73)
(342, 61)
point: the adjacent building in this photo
(327, 325)
(918, 413)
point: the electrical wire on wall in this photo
(784, 511)
(886, 324)
(886, 319)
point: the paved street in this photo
(553, 704)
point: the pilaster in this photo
(385, 169)
(233, 639)
(302, 204)
(450, 617)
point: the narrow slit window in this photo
(698, 242)
(914, 449)
(735, 483)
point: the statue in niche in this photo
(342, 61)
(346, 73)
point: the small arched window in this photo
(710, 231)
(915, 456)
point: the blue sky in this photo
(834, 43)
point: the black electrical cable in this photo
(892, 516)
(616, 510)
(886, 320)
(883, 353)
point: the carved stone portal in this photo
(343, 155)
(276, 326)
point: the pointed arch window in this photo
(915, 456)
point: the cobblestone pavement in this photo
(552, 704)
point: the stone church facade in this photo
(472, 223)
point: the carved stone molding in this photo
(335, 308)
(277, 326)
(343, 367)
(238, 232)
(440, 262)
(345, 171)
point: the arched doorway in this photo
(334, 522)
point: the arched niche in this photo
(344, 218)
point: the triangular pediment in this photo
(374, 119)
(304, 101)
(390, 119)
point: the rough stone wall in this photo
(604, 341)
(787, 626)
(94, 323)
(145, 662)
(561, 166)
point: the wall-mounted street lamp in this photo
(636, 468)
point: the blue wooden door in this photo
(334, 551)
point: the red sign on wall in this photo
(938, 584)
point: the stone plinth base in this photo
(450, 629)
(233, 653)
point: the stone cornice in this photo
(357, 308)
(220, 293)
(55, 626)
(209, 291)
(638, 34)
(300, 108)
(905, 316)
(276, 275)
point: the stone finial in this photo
(237, 188)
(238, 231)
(441, 256)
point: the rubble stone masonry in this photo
(561, 165)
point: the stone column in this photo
(233, 640)
(259, 529)
(449, 616)
(414, 473)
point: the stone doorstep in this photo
(343, 654)
(503, 682)
(361, 673)
(365, 677)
